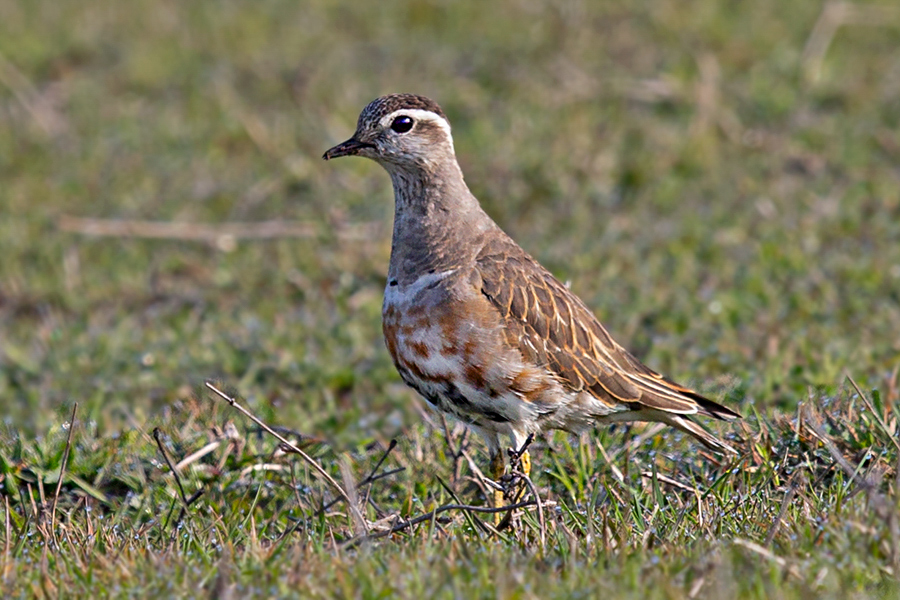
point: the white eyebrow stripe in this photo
(420, 115)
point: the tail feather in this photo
(682, 422)
(688, 425)
(702, 406)
(712, 409)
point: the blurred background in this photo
(720, 182)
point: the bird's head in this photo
(402, 132)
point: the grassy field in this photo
(718, 180)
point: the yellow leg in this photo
(497, 469)
(525, 463)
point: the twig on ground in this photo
(475, 521)
(62, 471)
(286, 445)
(430, 515)
(371, 478)
(222, 235)
(186, 502)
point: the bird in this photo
(477, 326)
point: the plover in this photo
(476, 325)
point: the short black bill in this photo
(349, 148)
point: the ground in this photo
(718, 181)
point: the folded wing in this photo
(552, 327)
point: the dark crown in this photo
(385, 105)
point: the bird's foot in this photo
(513, 484)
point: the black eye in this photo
(402, 124)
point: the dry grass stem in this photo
(874, 412)
(287, 444)
(432, 514)
(835, 15)
(222, 235)
(62, 469)
(46, 118)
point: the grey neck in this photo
(437, 221)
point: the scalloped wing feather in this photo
(551, 326)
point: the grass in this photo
(721, 190)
